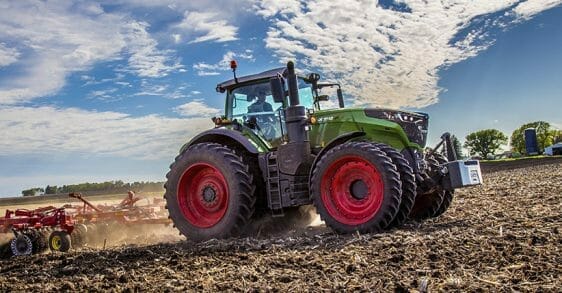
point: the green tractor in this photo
(275, 150)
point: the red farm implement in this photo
(100, 220)
(75, 225)
(32, 229)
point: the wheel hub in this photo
(209, 194)
(21, 245)
(359, 189)
(56, 242)
(352, 190)
(203, 195)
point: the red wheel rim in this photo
(352, 190)
(203, 195)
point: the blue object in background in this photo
(531, 145)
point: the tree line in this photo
(107, 186)
(487, 142)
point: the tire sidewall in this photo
(192, 156)
(378, 219)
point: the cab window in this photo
(253, 105)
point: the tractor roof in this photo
(228, 85)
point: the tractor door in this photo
(253, 106)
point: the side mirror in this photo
(277, 89)
(314, 77)
(340, 97)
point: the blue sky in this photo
(93, 91)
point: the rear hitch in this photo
(448, 147)
(456, 173)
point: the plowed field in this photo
(502, 236)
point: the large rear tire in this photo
(408, 185)
(356, 187)
(209, 192)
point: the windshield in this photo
(256, 98)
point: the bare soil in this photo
(502, 236)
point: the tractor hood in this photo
(415, 124)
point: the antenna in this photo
(233, 66)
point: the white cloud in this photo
(207, 26)
(64, 37)
(204, 69)
(196, 108)
(92, 80)
(529, 8)
(52, 130)
(207, 73)
(387, 56)
(146, 59)
(8, 55)
(162, 90)
(105, 95)
(270, 8)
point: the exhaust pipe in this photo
(294, 156)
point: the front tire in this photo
(356, 187)
(408, 184)
(209, 192)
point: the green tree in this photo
(557, 136)
(32, 191)
(485, 142)
(51, 189)
(545, 136)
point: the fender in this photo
(334, 142)
(224, 136)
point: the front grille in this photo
(414, 124)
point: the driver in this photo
(265, 122)
(260, 105)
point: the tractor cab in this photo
(249, 101)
